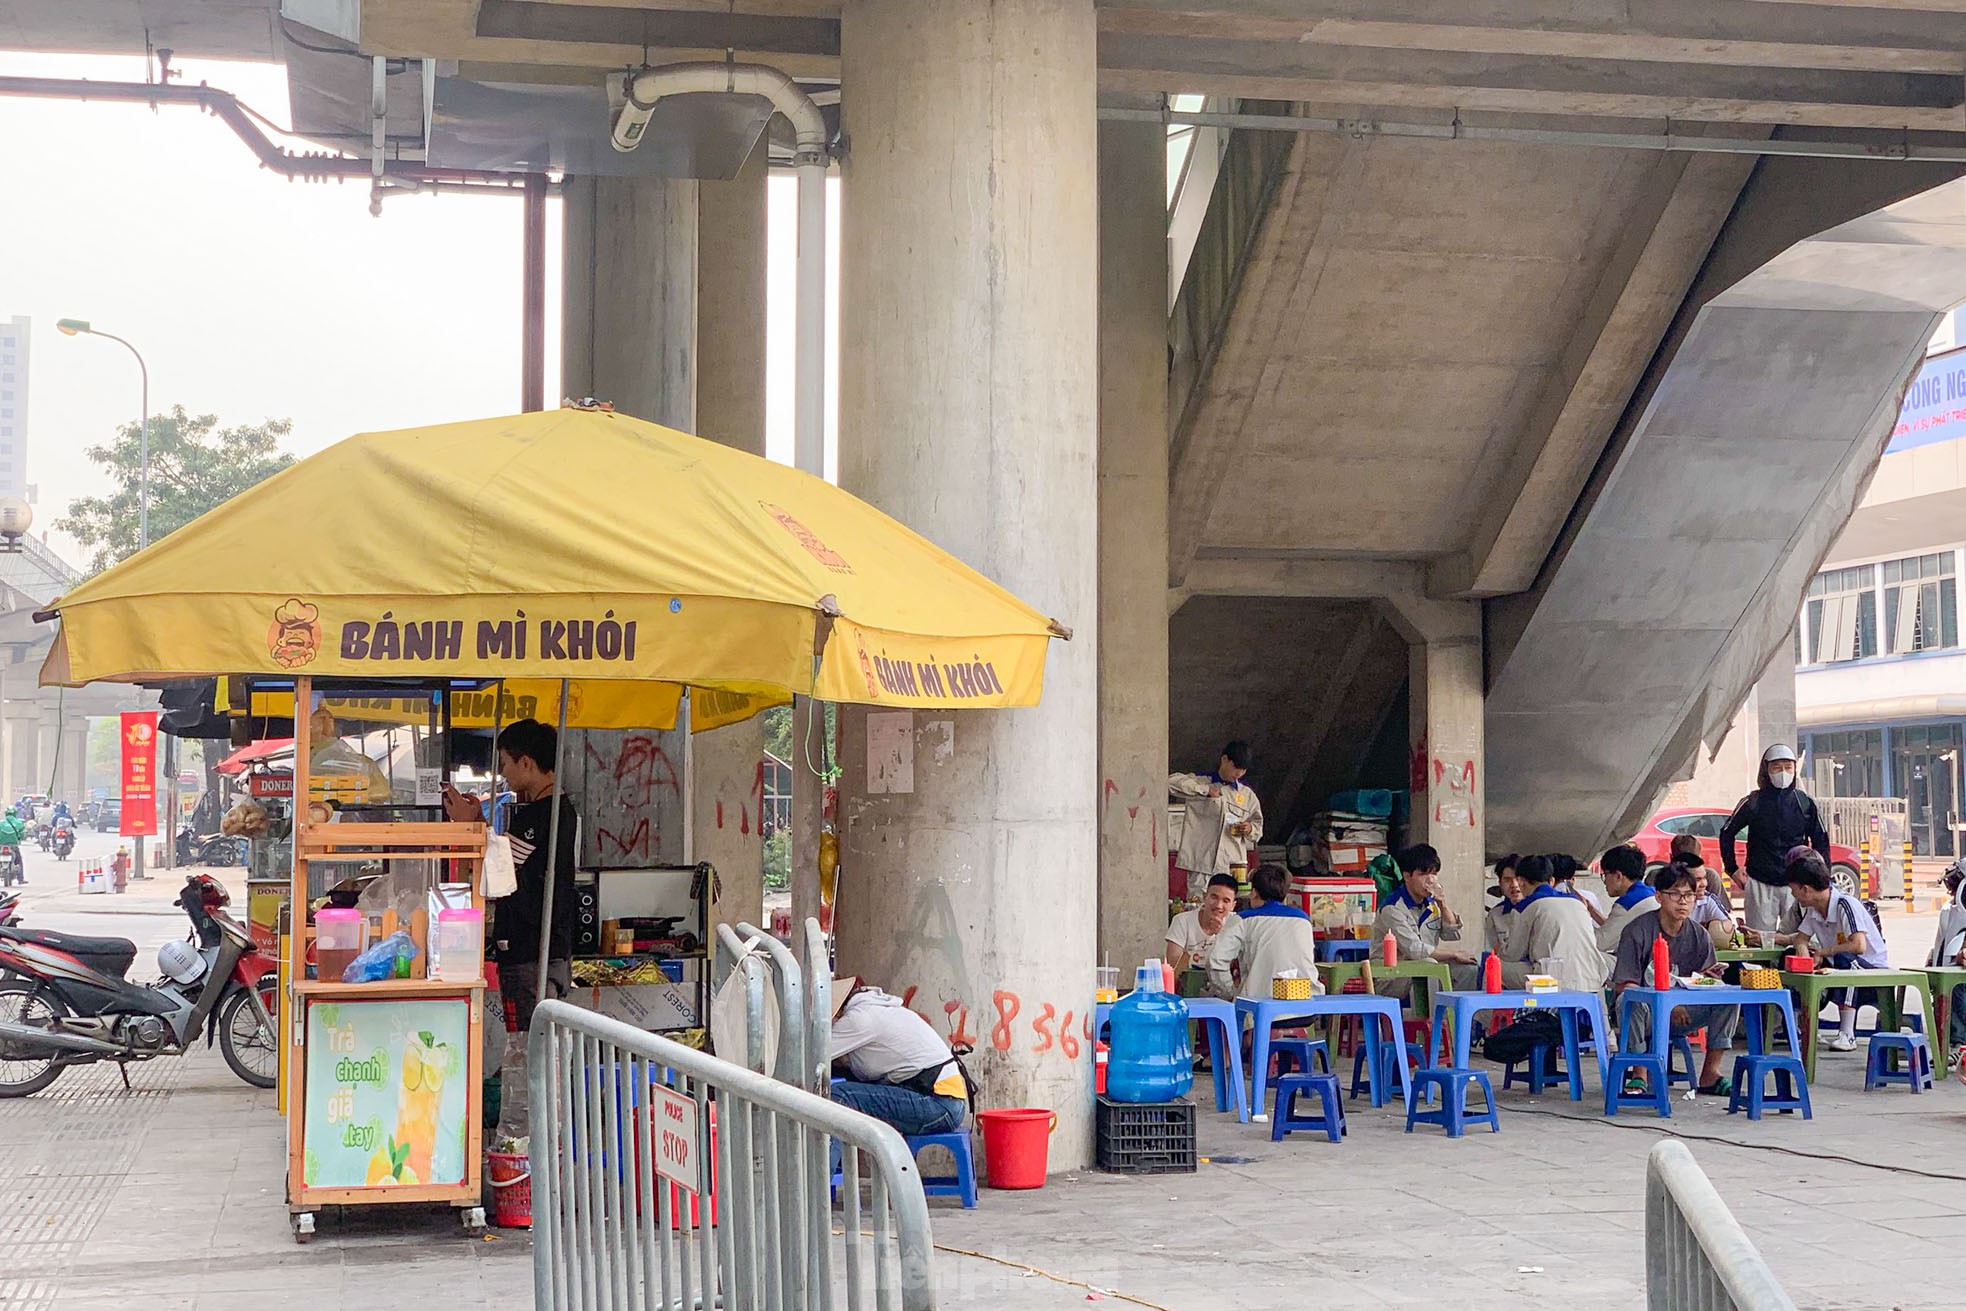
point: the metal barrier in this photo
(631, 1209)
(1696, 1256)
(1879, 829)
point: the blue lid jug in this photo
(1150, 1059)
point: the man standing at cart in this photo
(526, 750)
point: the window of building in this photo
(1842, 614)
(1921, 603)
(1847, 764)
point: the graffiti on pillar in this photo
(1454, 793)
(1007, 1004)
(1416, 768)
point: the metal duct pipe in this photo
(1899, 151)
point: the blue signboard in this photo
(1934, 408)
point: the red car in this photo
(1704, 823)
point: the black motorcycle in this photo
(13, 869)
(63, 841)
(209, 849)
(71, 1003)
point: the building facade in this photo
(1880, 669)
(14, 343)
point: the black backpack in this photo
(1513, 1042)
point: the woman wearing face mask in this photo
(1778, 815)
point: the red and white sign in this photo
(271, 785)
(675, 1137)
(139, 816)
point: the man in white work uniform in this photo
(1221, 822)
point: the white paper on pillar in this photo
(891, 752)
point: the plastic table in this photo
(1752, 1002)
(1429, 977)
(1264, 1013)
(1464, 1006)
(1218, 1019)
(1944, 978)
(1344, 949)
(1810, 987)
(1751, 955)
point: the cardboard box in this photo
(655, 1007)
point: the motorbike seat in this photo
(111, 956)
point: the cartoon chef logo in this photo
(295, 635)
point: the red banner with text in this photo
(139, 774)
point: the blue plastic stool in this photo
(1284, 1118)
(960, 1184)
(1658, 1094)
(1530, 1072)
(1917, 1071)
(1301, 1052)
(1684, 1050)
(1389, 1052)
(1454, 1086)
(1750, 1086)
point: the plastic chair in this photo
(960, 1184)
(1532, 1072)
(1682, 1047)
(1301, 1052)
(1750, 1086)
(1882, 1070)
(1454, 1086)
(1658, 1090)
(1284, 1118)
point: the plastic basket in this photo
(510, 1175)
(1290, 989)
(1146, 1137)
(1761, 977)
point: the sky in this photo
(252, 297)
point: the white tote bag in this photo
(729, 1027)
(501, 875)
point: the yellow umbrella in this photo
(590, 704)
(572, 543)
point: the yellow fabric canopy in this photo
(563, 544)
(590, 704)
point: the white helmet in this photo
(181, 961)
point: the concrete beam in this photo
(1334, 577)
(1456, 81)
(1639, 289)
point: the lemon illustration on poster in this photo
(387, 1108)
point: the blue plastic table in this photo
(1265, 1013)
(1464, 1006)
(1750, 1000)
(1344, 949)
(1219, 1021)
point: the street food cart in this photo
(502, 550)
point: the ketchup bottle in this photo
(1661, 964)
(1389, 951)
(1491, 973)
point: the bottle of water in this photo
(1150, 1059)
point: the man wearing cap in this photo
(1778, 815)
(1221, 821)
(898, 1068)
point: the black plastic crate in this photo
(1146, 1137)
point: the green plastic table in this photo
(1944, 978)
(1429, 977)
(1811, 988)
(1751, 955)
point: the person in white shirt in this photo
(1499, 934)
(1839, 932)
(1268, 939)
(1624, 878)
(897, 1067)
(1421, 924)
(1190, 934)
(1221, 819)
(1557, 935)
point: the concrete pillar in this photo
(726, 764)
(1775, 701)
(968, 398)
(70, 776)
(1448, 768)
(1132, 540)
(47, 738)
(628, 295)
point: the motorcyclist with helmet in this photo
(12, 832)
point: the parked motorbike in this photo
(72, 1005)
(209, 849)
(63, 841)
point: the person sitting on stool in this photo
(898, 1068)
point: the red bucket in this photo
(1017, 1145)
(511, 1182)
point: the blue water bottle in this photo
(1150, 1059)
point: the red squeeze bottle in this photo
(1491, 973)
(1389, 951)
(1167, 978)
(1661, 964)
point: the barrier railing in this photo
(664, 1177)
(1697, 1258)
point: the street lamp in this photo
(80, 327)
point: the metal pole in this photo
(552, 844)
(809, 454)
(532, 335)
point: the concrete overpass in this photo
(1507, 401)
